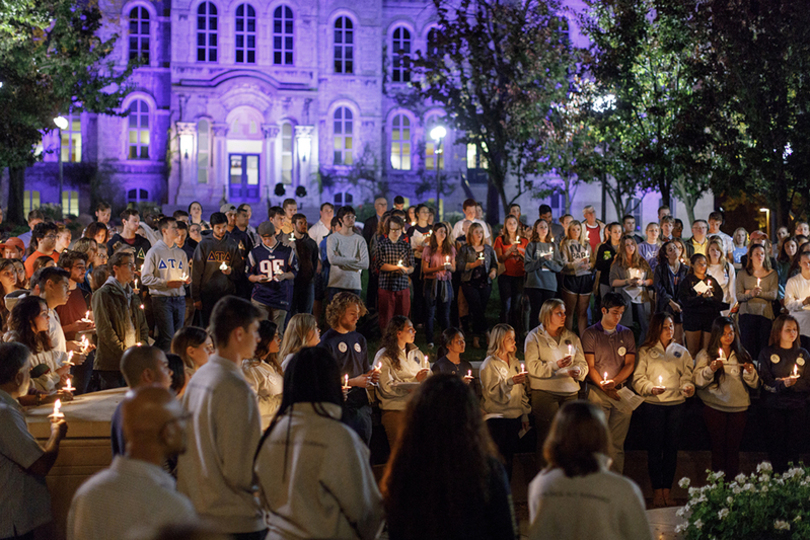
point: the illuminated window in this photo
(139, 34)
(203, 151)
(286, 153)
(207, 32)
(344, 45)
(401, 48)
(30, 201)
(72, 140)
(343, 136)
(138, 130)
(283, 36)
(245, 34)
(401, 143)
(70, 203)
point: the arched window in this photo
(401, 48)
(343, 135)
(344, 45)
(343, 198)
(401, 143)
(283, 36)
(431, 145)
(139, 34)
(138, 130)
(137, 195)
(434, 49)
(245, 34)
(286, 153)
(207, 32)
(203, 151)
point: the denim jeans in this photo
(435, 310)
(169, 312)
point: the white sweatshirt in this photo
(267, 384)
(502, 396)
(731, 395)
(163, 264)
(392, 397)
(674, 367)
(543, 353)
(796, 290)
(315, 478)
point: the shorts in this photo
(581, 285)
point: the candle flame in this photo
(223, 266)
(469, 373)
(346, 380)
(605, 377)
(69, 386)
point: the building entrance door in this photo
(244, 177)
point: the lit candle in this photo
(86, 316)
(346, 381)
(292, 237)
(223, 266)
(85, 344)
(184, 277)
(720, 353)
(56, 412)
(141, 306)
(69, 386)
(378, 367)
(399, 263)
(660, 380)
(69, 359)
(795, 371)
(469, 373)
(447, 259)
(604, 378)
(759, 280)
(522, 367)
(138, 344)
(136, 283)
(517, 239)
(570, 349)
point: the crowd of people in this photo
(252, 386)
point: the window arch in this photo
(343, 198)
(203, 150)
(401, 143)
(138, 130)
(401, 47)
(137, 195)
(286, 153)
(344, 45)
(245, 34)
(343, 136)
(139, 34)
(207, 28)
(434, 48)
(283, 36)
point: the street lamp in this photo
(438, 133)
(603, 104)
(767, 212)
(61, 123)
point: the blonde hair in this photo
(470, 233)
(496, 337)
(547, 308)
(714, 240)
(297, 333)
(337, 307)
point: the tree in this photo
(757, 56)
(51, 60)
(496, 67)
(645, 53)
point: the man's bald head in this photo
(145, 365)
(154, 423)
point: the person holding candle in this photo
(605, 505)
(194, 346)
(209, 280)
(510, 248)
(610, 351)
(394, 262)
(263, 372)
(702, 300)
(605, 255)
(271, 268)
(25, 504)
(164, 267)
(438, 265)
(577, 282)
(797, 296)
(505, 403)
(479, 266)
(400, 362)
(28, 324)
(469, 492)
(313, 471)
(722, 270)
(556, 365)
(302, 332)
(542, 265)
(757, 288)
(723, 370)
(667, 277)
(451, 346)
(348, 347)
(663, 377)
(785, 383)
(630, 276)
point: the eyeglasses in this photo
(49, 236)
(398, 229)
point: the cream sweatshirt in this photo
(731, 395)
(673, 365)
(392, 397)
(542, 354)
(502, 396)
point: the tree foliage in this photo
(496, 67)
(52, 59)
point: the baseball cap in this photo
(266, 228)
(227, 207)
(13, 242)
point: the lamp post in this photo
(61, 123)
(603, 104)
(438, 133)
(767, 212)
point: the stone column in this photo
(187, 151)
(219, 180)
(304, 145)
(268, 183)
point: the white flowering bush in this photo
(760, 506)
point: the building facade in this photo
(259, 100)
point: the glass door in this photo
(244, 177)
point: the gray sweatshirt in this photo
(502, 397)
(348, 257)
(163, 264)
(731, 395)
